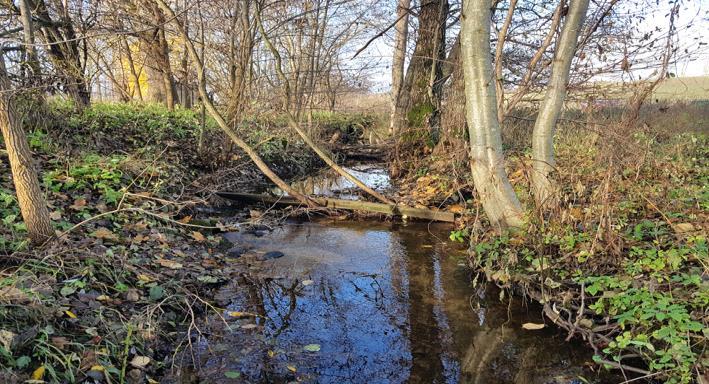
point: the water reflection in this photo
(330, 184)
(385, 304)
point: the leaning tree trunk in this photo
(397, 68)
(29, 195)
(543, 136)
(487, 160)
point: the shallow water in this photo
(328, 183)
(382, 303)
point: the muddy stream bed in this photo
(374, 302)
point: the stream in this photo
(369, 302)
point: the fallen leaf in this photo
(104, 233)
(532, 326)
(586, 323)
(207, 279)
(78, 205)
(167, 263)
(6, 338)
(185, 219)
(60, 341)
(55, 215)
(684, 227)
(198, 236)
(291, 368)
(144, 278)
(140, 361)
(307, 282)
(38, 373)
(13, 295)
(456, 208)
(71, 314)
(249, 326)
(312, 348)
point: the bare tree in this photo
(292, 122)
(487, 160)
(544, 127)
(29, 195)
(218, 117)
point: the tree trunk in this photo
(135, 77)
(487, 160)
(29, 195)
(543, 136)
(63, 49)
(32, 62)
(397, 68)
(419, 98)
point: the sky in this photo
(692, 39)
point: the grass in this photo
(134, 266)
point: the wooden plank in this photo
(352, 205)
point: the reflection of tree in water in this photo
(394, 307)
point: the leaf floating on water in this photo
(312, 348)
(239, 314)
(532, 326)
(307, 282)
(232, 374)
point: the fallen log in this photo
(352, 205)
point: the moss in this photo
(418, 114)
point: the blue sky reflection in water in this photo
(386, 303)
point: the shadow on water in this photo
(376, 303)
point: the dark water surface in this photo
(355, 302)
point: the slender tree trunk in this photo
(218, 117)
(397, 68)
(28, 39)
(29, 195)
(499, 86)
(135, 77)
(543, 136)
(487, 160)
